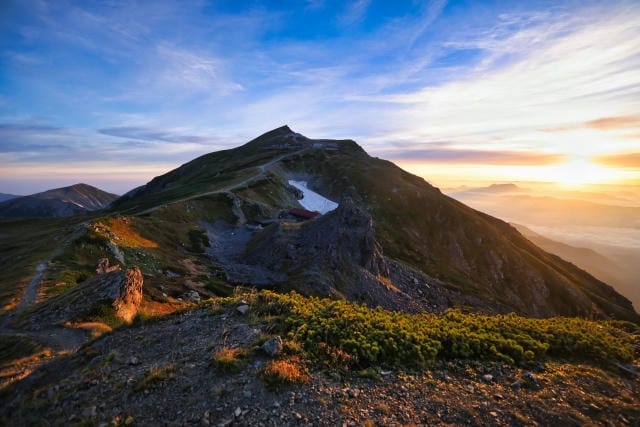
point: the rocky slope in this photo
(161, 373)
(60, 202)
(428, 239)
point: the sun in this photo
(577, 172)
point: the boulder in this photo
(129, 294)
(273, 346)
(192, 296)
(104, 267)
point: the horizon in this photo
(459, 93)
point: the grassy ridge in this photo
(357, 336)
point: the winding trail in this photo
(54, 337)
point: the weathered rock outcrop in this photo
(121, 290)
(335, 254)
(129, 294)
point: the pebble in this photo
(237, 412)
(487, 378)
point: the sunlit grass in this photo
(120, 230)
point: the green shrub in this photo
(358, 337)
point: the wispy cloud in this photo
(182, 68)
(568, 71)
(354, 12)
(12, 130)
(149, 134)
(470, 156)
(625, 160)
(619, 122)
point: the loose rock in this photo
(273, 346)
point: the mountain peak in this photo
(58, 202)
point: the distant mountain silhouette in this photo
(60, 202)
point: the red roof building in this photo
(303, 213)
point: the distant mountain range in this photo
(621, 276)
(60, 202)
(526, 206)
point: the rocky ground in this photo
(160, 373)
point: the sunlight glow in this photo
(578, 172)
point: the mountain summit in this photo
(59, 202)
(394, 241)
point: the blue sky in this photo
(113, 93)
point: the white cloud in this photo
(560, 73)
(183, 68)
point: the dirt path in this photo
(31, 292)
(56, 338)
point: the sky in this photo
(113, 93)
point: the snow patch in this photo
(311, 200)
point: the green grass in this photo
(103, 311)
(14, 347)
(23, 244)
(358, 337)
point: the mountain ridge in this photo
(466, 252)
(58, 202)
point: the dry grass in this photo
(96, 329)
(229, 359)
(119, 230)
(387, 283)
(277, 373)
(156, 374)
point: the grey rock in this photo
(192, 296)
(243, 309)
(487, 378)
(273, 346)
